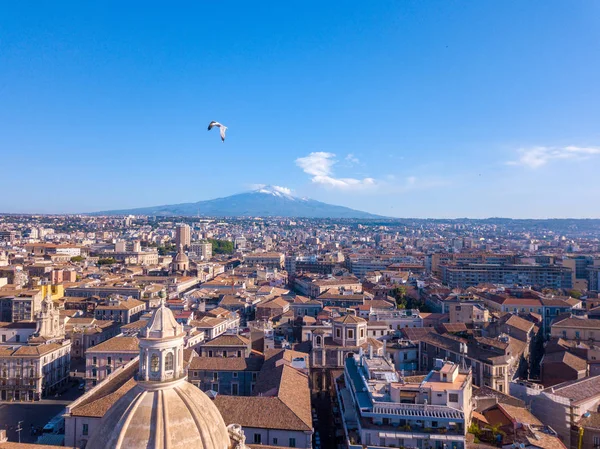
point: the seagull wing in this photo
(213, 123)
(223, 129)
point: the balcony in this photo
(415, 411)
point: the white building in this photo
(381, 409)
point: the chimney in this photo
(370, 351)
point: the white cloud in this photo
(272, 188)
(284, 190)
(536, 157)
(320, 164)
(351, 159)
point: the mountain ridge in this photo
(266, 201)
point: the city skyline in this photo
(433, 110)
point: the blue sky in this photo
(402, 108)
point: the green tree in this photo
(221, 246)
(106, 261)
(495, 429)
(575, 294)
(77, 259)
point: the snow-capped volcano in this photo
(282, 192)
(265, 201)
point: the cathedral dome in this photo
(174, 415)
(163, 410)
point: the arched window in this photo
(169, 362)
(318, 339)
(154, 365)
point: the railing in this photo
(415, 410)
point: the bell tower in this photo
(161, 347)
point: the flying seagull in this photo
(222, 127)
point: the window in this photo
(94, 360)
(215, 387)
(154, 364)
(109, 360)
(292, 442)
(235, 374)
(169, 362)
(362, 333)
(350, 333)
(239, 353)
(257, 438)
(338, 333)
(108, 369)
(453, 397)
(215, 376)
(210, 353)
(274, 441)
(596, 441)
(405, 356)
(3, 338)
(85, 429)
(224, 353)
(17, 338)
(234, 389)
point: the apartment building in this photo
(106, 357)
(494, 362)
(468, 313)
(202, 250)
(30, 372)
(86, 332)
(226, 346)
(381, 408)
(314, 286)
(267, 260)
(86, 291)
(183, 235)
(577, 329)
(470, 275)
(437, 259)
(120, 310)
(564, 406)
(235, 376)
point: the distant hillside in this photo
(265, 202)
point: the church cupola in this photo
(161, 347)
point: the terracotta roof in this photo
(519, 323)
(116, 344)
(519, 414)
(287, 407)
(577, 323)
(228, 340)
(99, 407)
(98, 400)
(38, 350)
(571, 360)
(123, 305)
(592, 420)
(350, 319)
(577, 390)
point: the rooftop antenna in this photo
(463, 354)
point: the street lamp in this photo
(19, 429)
